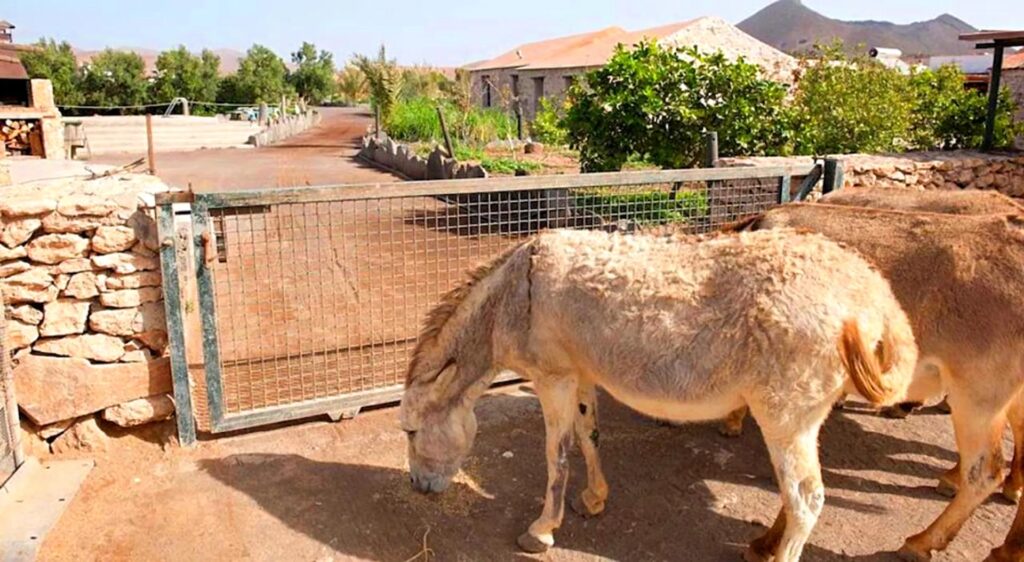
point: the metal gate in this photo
(9, 453)
(309, 300)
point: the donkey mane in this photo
(439, 316)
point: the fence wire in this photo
(322, 299)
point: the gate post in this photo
(833, 175)
(175, 326)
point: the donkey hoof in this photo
(580, 507)
(532, 544)
(754, 554)
(728, 430)
(1012, 492)
(946, 488)
(908, 553)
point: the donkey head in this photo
(440, 424)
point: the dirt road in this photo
(321, 155)
(323, 491)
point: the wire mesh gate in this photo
(310, 299)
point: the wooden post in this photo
(184, 107)
(444, 131)
(993, 98)
(711, 150)
(149, 145)
(833, 176)
(376, 121)
(519, 119)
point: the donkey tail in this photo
(864, 367)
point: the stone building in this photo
(1013, 80)
(545, 69)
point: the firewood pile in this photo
(18, 135)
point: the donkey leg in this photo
(803, 496)
(591, 501)
(558, 401)
(1014, 484)
(979, 441)
(763, 548)
(732, 425)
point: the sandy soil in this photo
(325, 491)
(319, 156)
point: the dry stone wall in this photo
(80, 277)
(959, 169)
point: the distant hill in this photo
(790, 26)
(228, 57)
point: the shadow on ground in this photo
(670, 495)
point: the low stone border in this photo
(284, 128)
(399, 158)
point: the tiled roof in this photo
(595, 48)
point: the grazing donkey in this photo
(959, 280)
(679, 329)
(966, 202)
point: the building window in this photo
(569, 81)
(538, 92)
(515, 85)
(487, 89)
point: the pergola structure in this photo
(998, 40)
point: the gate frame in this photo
(203, 240)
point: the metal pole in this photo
(993, 97)
(711, 149)
(149, 145)
(833, 175)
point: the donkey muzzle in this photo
(429, 483)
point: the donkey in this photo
(683, 330)
(966, 202)
(959, 280)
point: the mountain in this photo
(790, 26)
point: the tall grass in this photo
(415, 120)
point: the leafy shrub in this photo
(506, 165)
(658, 207)
(850, 105)
(416, 120)
(546, 126)
(657, 102)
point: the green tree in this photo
(313, 77)
(179, 73)
(655, 103)
(115, 78)
(383, 80)
(261, 78)
(946, 115)
(55, 62)
(845, 105)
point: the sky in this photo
(441, 33)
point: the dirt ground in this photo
(324, 491)
(322, 155)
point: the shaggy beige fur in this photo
(680, 329)
(959, 280)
